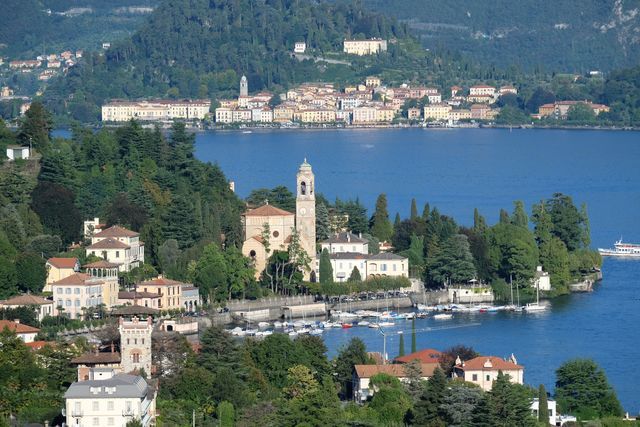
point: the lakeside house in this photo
(362, 374)
(118, 246)
(483, 370)
(58, 269)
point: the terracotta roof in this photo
(116, 231)
(77, 279)
(37, 345)
(398, 371)
(428, 355)
(100, 264)
(135, 295)
(488, 363)
(160, 281)
(267, 210)
(63, 262)
(18, 328)
(26, 300)
(96, 358)
(109, 243)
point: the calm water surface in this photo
(457, 170)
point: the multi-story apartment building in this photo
(315, 115)
(364, 115)
(482, 90)
(170, 292)
(122, 111)
(436, 111)
(76, 292)
(224, 115)
(118, 246)
(364, 47)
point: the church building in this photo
(281, 224)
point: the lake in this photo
(458, 170)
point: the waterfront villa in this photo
(362, 377)
(541, 280)
(427, 355)
(483, 370)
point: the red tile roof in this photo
(116, 231)
(37, 345)
(77, 279)
(398, 371)
(109, 243)
(267, 210)
(18, 328)
(428, 355)
(488, 363)
(63, 262)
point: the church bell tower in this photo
(306, 210)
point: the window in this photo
(127, 341)
(135, 341)
(110, 421)
(77, 291)
(67, 291)
(276, 233)
(60, 290)
(383, 267)
(110, 405)
(353, 249)
(136, 357)
(488, 377)
(117, 254)
(77, 303)
(68, 303)
(474, 377)
(394, 267)
(96, 421)
(143, 341)
(95, 406)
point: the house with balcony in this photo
(483, 370)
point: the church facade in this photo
(267, 228)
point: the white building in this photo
(15, 152)
(300, 47)
(109, 399)
(541, 280)
(479, 90)
(91, 227)
(75, 293)
(483, 370)
(44, 307)
(345, 242)
(155, 110)
(25, 332)
(551, 405)
(118, 246)
(364, 47)
(362, 377)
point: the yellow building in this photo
(316, 115)
(169, 291)
(364, 115)
(122, 111)
(58, 269)
(436, 112)
(283, 113)
(413, 114)
(385, 114)
(457, 115)
(364, 47)
(107, 273)
(372, 81)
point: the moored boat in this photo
(620, 249)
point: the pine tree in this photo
(397, 221)
(520, 218)
(543, 405)
(427, 409)
(380, 225)
(326, 271)
(479, 223)
(401, 346)
(504, 217)
(586, 227)
(426, 211)
(414, 210)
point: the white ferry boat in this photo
(628, 250)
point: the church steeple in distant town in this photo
(244, 86)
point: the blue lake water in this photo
(457, 170)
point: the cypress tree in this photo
(401, 344)
(413, 336)
(323, 225)
(355, 275)
(397, 221)
(504, 217)
(543, 405)
(326, 271)
(414, 210)
(520, 217)
(380, 225)
(426, 212)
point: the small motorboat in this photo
(443, 316)
(347, 326)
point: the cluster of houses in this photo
(47, 65)
(481, 371)
(369, 103)
(560, 109)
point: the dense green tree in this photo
(519, 217)
(318, 406)
(543, 405)
(427, 409)
(449, 356)
(323, 224)
(357, 213)
(391, 402)
(123, 212)
(226, 414)
(512, 251)
(35, 128)
(354, 353)
(211, 273)
(581, 113)
(507, 405)
(453, 261)
(582, 389)
(55, 205)
(280, 197)
(30, 272)
(8, 278)
(401, 346)
(326, 271)
(414, 210)
(380, 225)
(414, 346)
(45, 245)
(459, 403)
(567, 221)
(355, 276)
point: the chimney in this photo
(16, 321)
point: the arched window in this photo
(303, 188)
(135, 357)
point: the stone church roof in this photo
(267, 210)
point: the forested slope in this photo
(573, 35)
